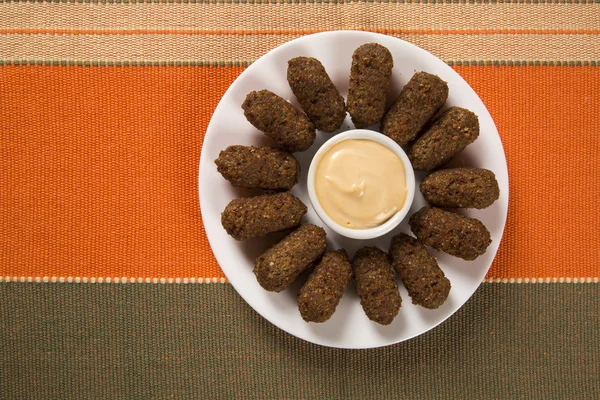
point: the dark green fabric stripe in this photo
(452, 63)
(510, 341)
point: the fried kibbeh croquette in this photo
(324, 288)
(417, 103)
(448, 136)
(457, 235)
(251, 217)
(261, 167)
(461, 187)
(419, 272)
(376, 286)
(279, 120)
(370, 77)
(280, 265)
(316, 93)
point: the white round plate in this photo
(349, 327)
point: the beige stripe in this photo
(299, 17)
(248, 48)
(588, 279)
(116, 279)
(124, 279)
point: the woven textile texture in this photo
(203, 341)
(103, 111)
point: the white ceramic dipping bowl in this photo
(388, 225)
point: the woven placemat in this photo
(103, 110)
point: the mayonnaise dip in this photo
(360, 183)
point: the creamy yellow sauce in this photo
(360, 183)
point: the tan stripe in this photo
(588, 279)
(116, 279)
(247, 48)
(387, 31)
(298, 17)
(124, 279)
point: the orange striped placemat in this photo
(103, 108)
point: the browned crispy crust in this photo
(251, 217)
(419, 272)
(452, 233)
(316, 93)
(417, 103)
(258, 167)
(370, 77)
(324, 288)
(279, 266)
(448, 136)
(376, 286)
(461, 187)
(279, 120)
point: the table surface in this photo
(108, 286)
